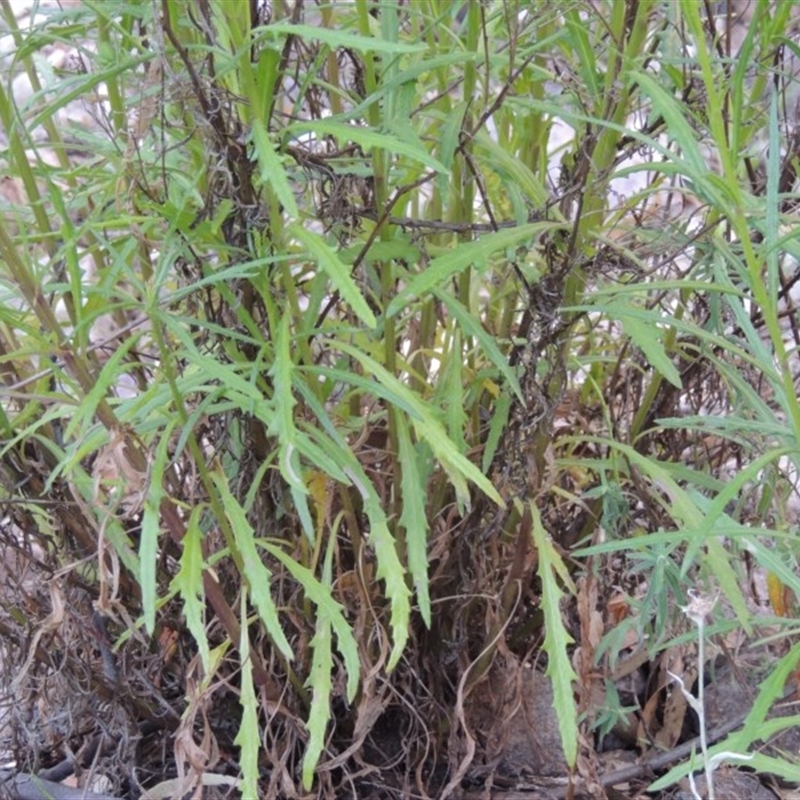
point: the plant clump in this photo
(380, 381)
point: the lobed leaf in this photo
(257, 577)
(557, 640)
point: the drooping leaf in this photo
(271, 168)
(151, 529)
(414, 520)
(257, 577)
(459, 468)
(391, 572)
(248, 737)
(471, 326)
(319, 680)
(646, 334)
(337, 271)
(281, 424)
(557, 640)
(337, 38)
(320, 594)
(189, 583)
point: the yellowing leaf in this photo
(776, 588)
(317, 485)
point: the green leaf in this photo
(321, 669)
(282, 426)
(556, 640)
(248, 737)
(459, 468)
(450, 391)
(390, 569)
(752, 729)
(714, 513)
(718, 559)
(413, 518)
(398, 248)
(151, 529)
(462, 257)
(257, 577)
(246, 395)
(336, 38)
(497, 427)
(327, 455)
(391, 83)
(645, 332)
(72, 88)
(585, 55)
(673, 113)
(681, 507)
(281, 373)
(189, 583)
(271, 169)
(109, 376)
(368, 139)
(319, 680)
(451, 135)
(495, 157)
(337, 271)
(471, 325)
(320, 595)
(768, 559)
(391, 572)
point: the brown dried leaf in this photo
(113, 471)
(50, 624)
(676, 705)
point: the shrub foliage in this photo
(350, 348)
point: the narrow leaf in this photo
(368, 138)
(248, 737)
(461, 258)
(189, 583)
(271, 169)
(337, 271)
(282, 426)
(151, 529)
(337, 38)
(391, 572)
(557, 640)
(673, 113)
(319, 680)
(414, 520)
(647, 338)
(320, 595)
(718, 559)
(459, 468)
(256, 575)
(471, 325)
